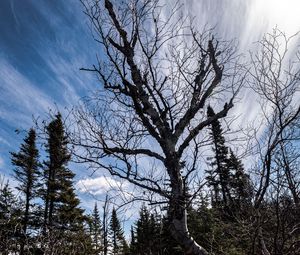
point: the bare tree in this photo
(148, 120)
(275, 77)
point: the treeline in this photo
(47, 219)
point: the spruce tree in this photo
(96, 230)
(10, 219)
(228, 174)
(119, 245)
(219, 176)
(143, 232)
(61, 203)
(169, 246)
(63, 227)
(147, 233)
(58, 158)
(241, 183)
(155, 230)
(26, 172)
(133, 243)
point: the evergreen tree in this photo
(155, 230)
(169, 246)
(10, 219)
(219, 176)
(241, 183)
(27, 173)
(96, 230)
(63, 218)
(143, 232)
(58, 158)
(228, 174)
(147, 226)
(119, 245)
(133, 243)
(201, 225)
(61, 204)
(76, 242)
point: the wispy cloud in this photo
(19, 97)
(1, 162)
(4, 141)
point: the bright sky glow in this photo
(285, 14)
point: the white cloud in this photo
(99, 185)
(262, 16)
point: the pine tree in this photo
(241, 183)
(143, 232)
(119, 245)
(143, 228)
(63, 218)
(228, 174)
(10, 219)
(26, 173)
(58, 158)
(219, 176)
(96, 230)
(147, 226)
(156, 227)
(68, 215)
(61, 203)
(133, 243)
(169, 245)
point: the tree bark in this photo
(180, 233)
(177, 211)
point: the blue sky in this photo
(43, 44)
